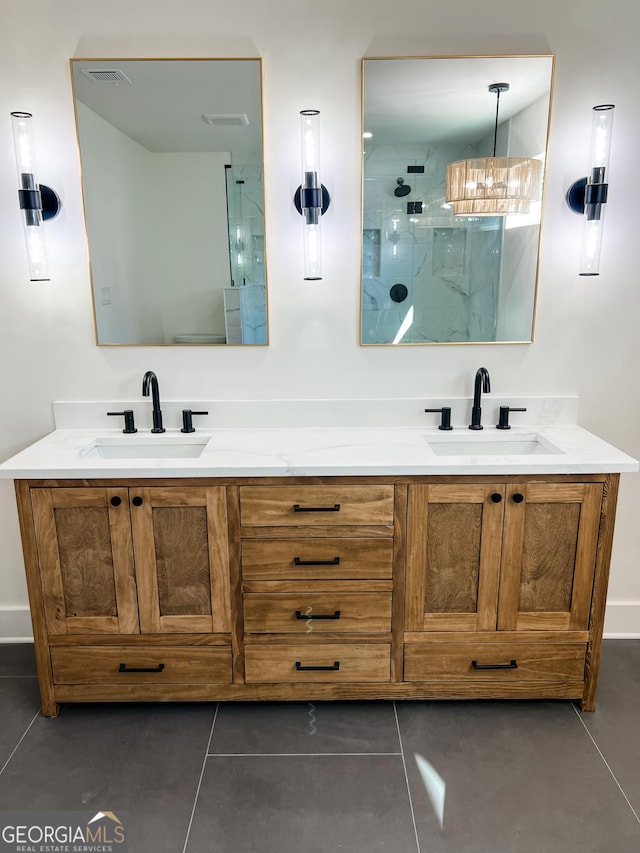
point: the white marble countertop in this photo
(307, 451)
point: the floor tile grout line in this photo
(606, 763)
(16, 747)
(204, 764)
(293, 754)
(406, 778)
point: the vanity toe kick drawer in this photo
(152, 665)
(307, 613)
(320, 662)
(315, 505)
(494, 661)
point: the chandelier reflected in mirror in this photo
(493, 186)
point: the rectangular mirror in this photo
(431, 275)
(172, 165)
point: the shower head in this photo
(402, 189)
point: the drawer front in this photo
(494, 661)
(332, 559)
(265, 506)
(319, 612)
(319, 662)
(154, 665)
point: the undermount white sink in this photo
(145, 447)
(492, 445)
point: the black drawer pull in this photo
(298, 562)
(124, 668)
(116, 501)
(334, 508)
(518, 498)
(334, 668)
(511, 665)
(301, 615)
(137, 501)
(496, 497)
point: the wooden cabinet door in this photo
(83, 537)
(548, 555)
(181, 556)
(453, 557)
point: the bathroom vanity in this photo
(329, 564)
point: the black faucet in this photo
(482, 383)
(150, 379)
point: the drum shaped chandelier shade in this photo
(493, 186)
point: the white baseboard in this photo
(15, 625)
(622, 621)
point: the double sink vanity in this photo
(300, 558)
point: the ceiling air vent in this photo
(226, 119)
(106, 75)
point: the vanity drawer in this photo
(332, 559)
(264, 506)
(494, 661)
(317, 612)
(163, 665)
(320, 662)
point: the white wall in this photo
(587, 338)
(189, 240)
(115, 168)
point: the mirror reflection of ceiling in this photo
(456, 110)
(163, 105)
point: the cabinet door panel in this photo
(86, 560)
(453, 557)
(181, 551)
(548, 557)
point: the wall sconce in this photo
(37, 201)
(312, 197)
(587, 196)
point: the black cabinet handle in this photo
(334, 508)
(124, 668)
(298, 562)
(511, 665)
(301, 615)
(518, 498)
(116, 501)
(496, 497)
(137, 501)
(334, 668)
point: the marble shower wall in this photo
(450, 267)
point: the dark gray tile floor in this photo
(358, 777)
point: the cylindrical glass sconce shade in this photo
(29, 195)
(596, 190)
(312, 247)
(311, 194)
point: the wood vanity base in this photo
(318, 588)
